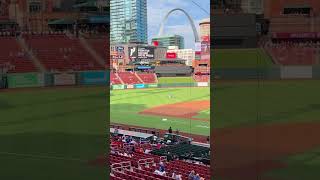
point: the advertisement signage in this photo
(197, 47)
(118, 86)
(133, 52)
(120, 49)
(64, 79)
(205, 38)
(117, 52)
(203, 84)
(129, 86)
(141, 52)
(94, 78)
(205, 47)
(197, 57)
(143, 67)
(171, 55)
(25, 80)
(156, 43)
(139, 86)
(287, 35)
(145, 53)
(152, 85)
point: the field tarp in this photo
(25, 80)
(94, 78)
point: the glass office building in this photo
(170, 40)
(128, 21)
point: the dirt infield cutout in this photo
(180, 110)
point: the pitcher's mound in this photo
(181, 110)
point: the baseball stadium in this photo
(160, 106)
(265, 88)
(53, 83)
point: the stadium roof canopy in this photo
(98, 19)
(61, 22)
(132, 133)
(294, 6)
(171, 59)
(91, 3)
(5, 21)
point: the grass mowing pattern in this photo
(301, 166)
(236, 102)
(125, 105)
(52, 133)
(240, 58)
(235, 105)
(204, 114)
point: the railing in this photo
(121, 166)
(145, 162)
(160, 85)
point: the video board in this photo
(141, 52)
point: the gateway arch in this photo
(195, 33)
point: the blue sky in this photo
(177, 22)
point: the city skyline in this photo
(128, 20)
(177, 22)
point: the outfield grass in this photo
(302, 166)
(170, 80)
(52, 133)
(126, 104)
(240, 58)
(204, 114)
(250, 103)
(238, 104)
(245, 104)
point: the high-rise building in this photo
(128, 21)
(186, 54)
(204, 27)
(252, 6)
(170, 40)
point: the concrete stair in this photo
(138, 77)
(119, 78)
(92, 52)
(33, 57)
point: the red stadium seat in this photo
(61, 53)
(14, 57)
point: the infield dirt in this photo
(181, 110)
